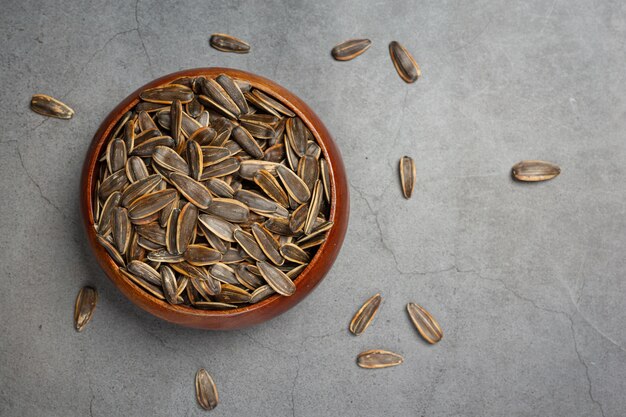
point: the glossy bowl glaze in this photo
(270, 307)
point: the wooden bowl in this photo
(270, 307)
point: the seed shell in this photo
(404, 62)
(206, 391)
(425, 324)
(535, 171)
(375, 359)
(350, 49)
(365, 315)
(51, 107)
(407, 176)
(227, 43)
(86, 301)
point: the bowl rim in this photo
(308, 279)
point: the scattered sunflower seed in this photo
(425, 324)
(535, 171)
(404, 62)
(51, 107)
(86, 301)
(374, 359)
(350, 49)
(365, 315)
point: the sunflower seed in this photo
(295, 272)
(312, 242)
(325, 175)
(227, 43)
(136, 169)
(313, 149)
(114, 182)
(214, 241)
(275, 153)
(261, 293)
(121, 228)
(51, 107)
(228, 209)
(294, 185)
(249, 245)
(186, 227)
(266, 181)
(168, 283)
(374, 359)
(86, 301)
(244, 139)
(232, 295)
(201, 255)
(167, 94)
(116, 155)
(308, 170)
(150, 203)
(170, 160)
(350, 49)
(535, 171)
(296, 135)
(152, 232)
(314, 208)
(206, 391)
(277, 279)
(294, 253)
(233, 256)
(248, 279)
(191, 189)
(194, 108)
(256, 202)
(405, 65)
(223, 273)
(248, 168)
(298, 218)
(194, 157)
(219, 187)
(407, 176)
(365, 315)
(164, 256)
(139, 188)
(212, 89)
(107, 212)
(279, 226)
(425, 324)
(220, 169)
(268, 101)
(142, 137)
(213, 305)
(145, 121)
(267, 243)
(148, 147)
(220, 227)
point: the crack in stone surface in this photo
(573, 331)
(143, 45)
(293, 388)
(36, 184)
(388, 248)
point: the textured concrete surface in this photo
(526, 280)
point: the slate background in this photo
(526, 280)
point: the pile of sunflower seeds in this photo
(212, 194)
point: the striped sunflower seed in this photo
(407, 176)
(374, 359)
(84, 307)
(51, 107)
(350, 49)
(535, 171)
(404, 62)
(227, 43)
(425, 324)
(365, 315)
(276, 279)
(206, 391)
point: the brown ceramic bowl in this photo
(270, 307)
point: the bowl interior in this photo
(271, 306)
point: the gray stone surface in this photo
(526, 280)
